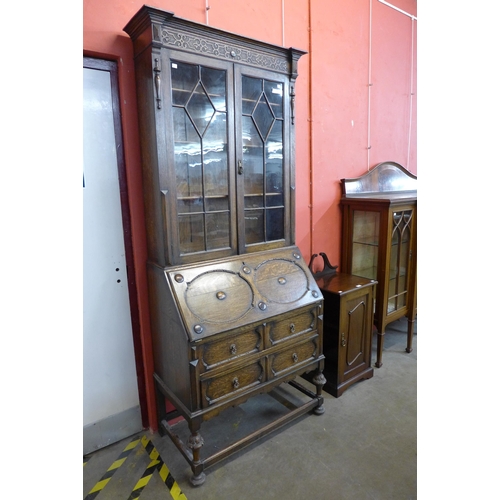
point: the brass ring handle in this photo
(232, 348)
(292, 327)
(236, 383)
(295, 357)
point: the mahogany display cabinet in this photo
(379, 241)
(235, 311)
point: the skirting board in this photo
(111, 429)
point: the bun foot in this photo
(319, 410)
(198, 480)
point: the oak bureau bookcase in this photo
(235, 311)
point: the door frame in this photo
(112, 67)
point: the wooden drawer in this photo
(293, 357)
(292, 327)
(216, 353)
(229, 384)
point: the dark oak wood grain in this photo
(235, 311)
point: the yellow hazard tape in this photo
(156, 464)
(112, 469)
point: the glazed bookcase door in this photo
(262, 158)
(400, 259)
(199, 104)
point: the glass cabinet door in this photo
(365, 243)
(261, 159)
(399, 260)
(200, 132)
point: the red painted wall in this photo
(356, 102)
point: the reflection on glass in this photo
(262, 139)
(365, 243)
(217, 230)
(274, 94)
(191, 233)
(364, 260)
(263, 117)
(184, 80)
(254, 226)
(199, 111)
(215, 164)
(214, 82)
(275, 224)
(251, 89)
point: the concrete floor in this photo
(363, 447)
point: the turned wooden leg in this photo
(195, 442)
(409, 341)
(380, 347)
(319, 381)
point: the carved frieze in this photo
(170, 37)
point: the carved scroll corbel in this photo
(157, 70)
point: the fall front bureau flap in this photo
(230, 293)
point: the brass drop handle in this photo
(295, 357)
(236, 383)
(240, 168)
(292, 327)
(232, 349)
(342, 340)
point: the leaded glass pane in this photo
(253, 165)
(251, 91)
(217, 225)
(254, 226)
(214, 81)
(274, 94)
(191, 233)
(263, 117)
(274, 166)
(200, 109)
(184, 80)
(215, 161)
(275, 224)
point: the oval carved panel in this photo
(281, 280)
(219, 296)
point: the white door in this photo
(111, 408)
